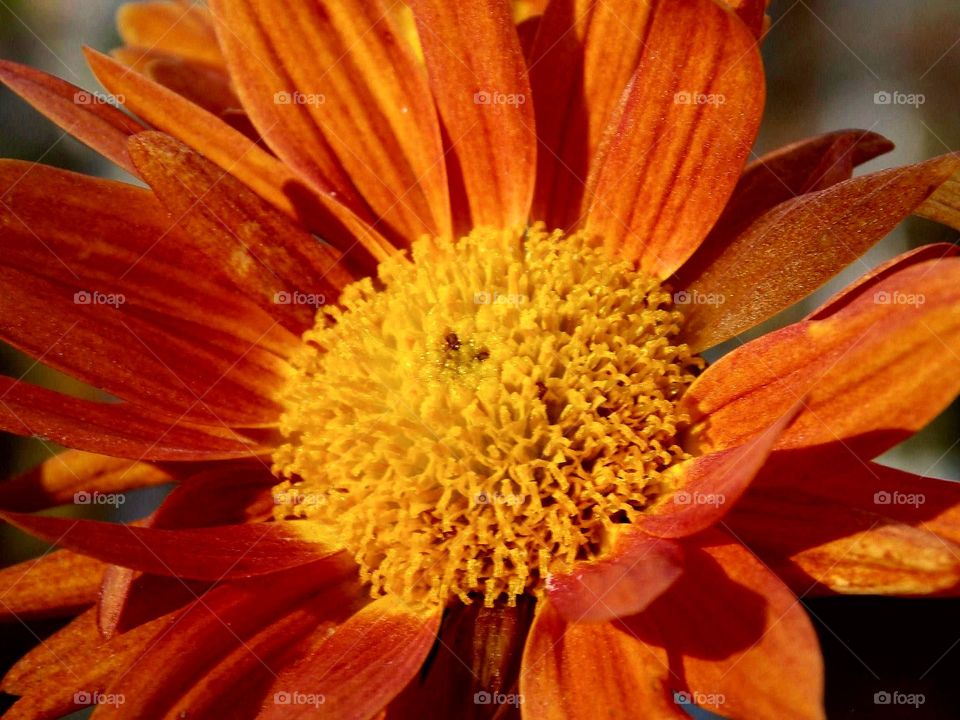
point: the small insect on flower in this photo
(472, 463)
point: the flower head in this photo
(413, 313)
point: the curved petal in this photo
(944, 205)
(84, 115)
(797, 246)
(238, 155)
(753, 14)
(73, 664)
(114, 429)
(585, 671)
(675, 148)
(57, 480)
(276, 263)
(362, 666)
(217, 553)
(809, 165)
(709, 486)
(856, 369)
(583, 57)
(479, 79)
(832, 524)
(330, 81)
(208, 632)
(637, 571)
(764, 662)
(184, 29)
(58, 584)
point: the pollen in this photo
(485, 415)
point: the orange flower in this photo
(499, 478)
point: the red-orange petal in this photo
(275, 262)
(871, 373)
(334, 81)
(812, 164)
(216, 553)
(710, 485)
(86, 116)
(57, 584)
(479, 79)
(361, 667)
(746, 645)
(637, 571)
(184, 29)
(673, 152)
(238, 155)
(586, 671)
(73, 664)
(753, 14)
(114, 429)
(583, 57)
(797, 246)
(55, 481)
(832, 524)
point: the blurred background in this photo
(826, 63)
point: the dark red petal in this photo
(637, 571)
(114, 429)
(217, 553)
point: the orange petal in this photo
(335, 81)
(183, 29)
(944, 205)
(239, 683)
(753, 14)
(710, 485)
(275, 262)
(675, 148)
(57, 584)
(586, 671)
(82, 114)
(57, 480)
(637, 571)
(206, 633)
(807, 240)
(361, 667)
(479, 79)
(815, 163)
(831, 523)
(746, 645)
(113, 429)
(581, 60)
(216, 553)
(73, 664)
(859, 369)
(238, 155)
